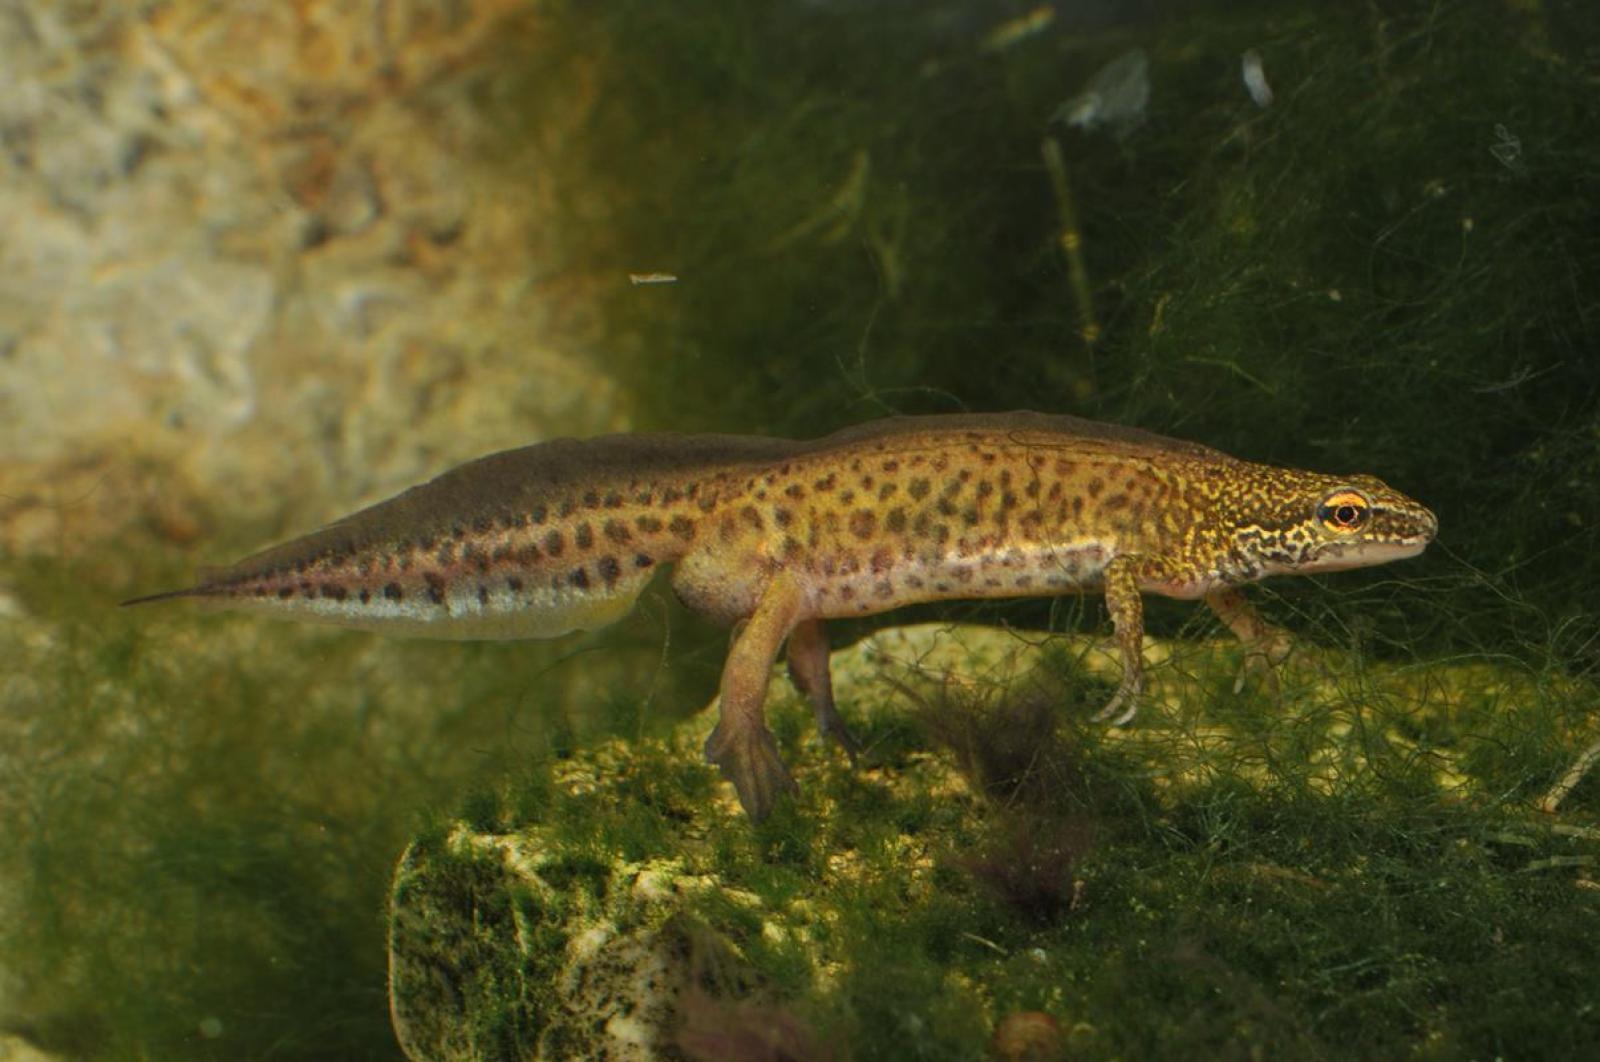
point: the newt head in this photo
(1317, 523)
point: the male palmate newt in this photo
(775, 536)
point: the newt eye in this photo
(1344, 511)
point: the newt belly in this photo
(780, 535)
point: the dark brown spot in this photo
(643, 560)
(613, 500)
(1077, 507)
(514, 584)
(896, 520)
(618, 532)
(1096, 485)
(682, 526)
(446, 555)
(539, 512)
(891, 466)
(671, 496)
(847, 592)
(591, 499)
(554, 544)
(285, 592)
(882, 558)
(1115, 501)
(393, 592)
(334, 591)
(795, 491)
(526, 555)
(566, 508)
(436, 587)
(919, 489)
(483, 595)
(866, 482)
(459, 530)
(946, 507)
(782, 517)
(752, 516)
(886, 491)
(483, 525)
(366, 595)
(847, 496)
(583, 538)
(985, 488)
(883, 588)
(647, 524)
(707, 503)
(826, 483)
(915, 582)
(863, 524)
(609, 570)
(579, 578)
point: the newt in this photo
(776, 536)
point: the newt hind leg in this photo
(808, 670)
(741, 745)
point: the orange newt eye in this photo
(1344, 511)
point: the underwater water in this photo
(262, 267)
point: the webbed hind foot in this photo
(748, 757)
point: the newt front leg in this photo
(1265, 645)
(1127, 619)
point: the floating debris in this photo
(1507, 147)
(1255, 78)
(1015, 31)
(1115, 96)
(652, 278)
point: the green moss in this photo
(1208, 865)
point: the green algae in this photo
(1150, 895)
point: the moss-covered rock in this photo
(988, 859)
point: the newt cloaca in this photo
(775, 536)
